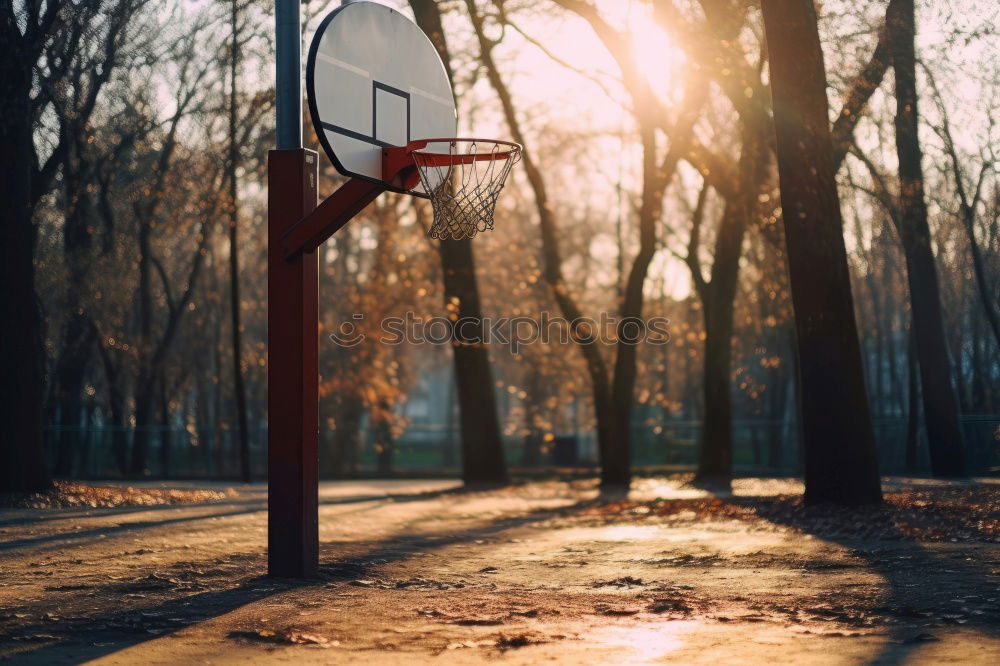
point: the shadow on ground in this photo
(932, 586)
(935, 554)
(214, 510)
(59, 638)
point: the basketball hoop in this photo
(376, 85)
(463, 178)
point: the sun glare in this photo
(660, 61)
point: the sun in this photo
(660, 61)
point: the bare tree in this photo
(944, 434)
(32, 82)
(865, 84)
(840, 461)
(968, 205)
(482, 448)
(239, 389)
(92, 62)
(717, 294)
(613, 393)
(723, 21)
(21, 345)
(154, 346)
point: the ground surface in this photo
(416, 572)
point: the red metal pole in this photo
(293, 372)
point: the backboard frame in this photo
(378, 88)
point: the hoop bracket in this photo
(403, 167)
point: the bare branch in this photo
(561, 62)
(880, 192)
(694, 243)
(864, 85)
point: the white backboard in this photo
(375, 80)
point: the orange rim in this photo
(509, 149)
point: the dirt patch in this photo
(548, 572)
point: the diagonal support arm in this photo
(326, 219)
(347, 201)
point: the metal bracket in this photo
(347, 201)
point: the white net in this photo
(463, 183)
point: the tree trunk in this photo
(78, 339)
(978, 362)
(239, 389)
(385, 442)
(166, 439)
(221, 457)
(840, 460)
(944, 435)
(877, 372)
(203, 425)
(116, 410)
(778, 385)
(153, 356)
(890, 305)
(448, 455)
(145, 390)
(482, 448)
(978, 265)
(609, 458)
(78, 334)
(531, 456)
(144, 381)
(715, 455)
(913, 405)
(22, 351)
(617, 468)
(345, 445)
